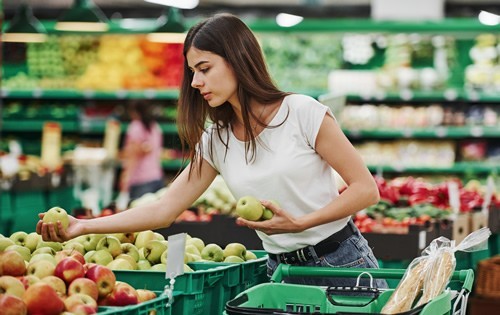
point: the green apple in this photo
(54, 245)
(153, 250)
(47, 250)
(212, 252)
(130, 249)
(120, 264)
(191, 249)
(129, 258)
(128, 237)
(111, 244)
(4, 243)
(55, 214)
(43, 256)
(88, 255)
(32, 241)
(196, 241)
(159, 267)
(19, 238)
(141, 253)
(25, 252)
(249, 208)
(76, 246)
(164, 256)
(144, 264)
(101, 257)
(91, 240)
(143, 237)
(235, 249)
(233, 259)
(159, 236)
(250, 255)
(268, 213)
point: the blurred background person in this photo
(141, 155)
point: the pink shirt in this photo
(149, 166)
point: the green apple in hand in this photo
(267, 213)
(249, 208)
(55, 214)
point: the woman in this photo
(264, 142)
(142, 172)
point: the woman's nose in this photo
(196, 82)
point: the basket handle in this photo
(466, 277)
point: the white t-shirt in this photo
(286, 169)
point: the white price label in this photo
(37, 93)
(450, 95)
(175, 255)
(490, 189)
(406, 94)
(441, 132)
(476, 131)
(88, 93)
(5, 92)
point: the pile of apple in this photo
(61, 283)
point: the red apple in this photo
(57, 284)
(72, 301)
(122, 295)
(12, 305)
(70, 253)
(103, 277)
(83, 309)
(12, 264)
(85, 286)
(41, 298)
(28, 280)
(145, 295)
(69, 269)
(11, 285)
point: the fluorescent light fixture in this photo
(488, 18)
(288, 20)
(24, 27)
(83, 16)
(181, 4)
(171, 29)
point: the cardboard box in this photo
(494, 219)
(390, 246)
(455, 229)
(478, 220)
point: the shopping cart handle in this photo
(283, 270)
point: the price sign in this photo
(51, 145)
(112, 138)
(453, 197)
(490, 189)
(175, 255)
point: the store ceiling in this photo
(51, 9)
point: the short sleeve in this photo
(311, 117)
(205, 147)
(136, 132)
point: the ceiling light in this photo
(181, 4)
(288, 20)
(83, 16)
(171, 29)
(488, 18)
(24, 27)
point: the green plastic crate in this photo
(25, 208)
(61, 197)
(282, 298)
(157, 306)
(5, 213)
(199, 292)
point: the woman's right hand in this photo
(48, 230)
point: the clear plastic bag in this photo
(428, 275)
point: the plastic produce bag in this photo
(430, 273)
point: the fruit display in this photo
(47, 284)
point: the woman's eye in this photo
(205, 70)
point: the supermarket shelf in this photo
(170, 94)
(458, 168)
(172, 165)
(72, 126)
(429, 132)
(36, 125)
(447, 95)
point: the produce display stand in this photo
(157, 306)
(282, 298)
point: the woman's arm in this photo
(334, 147)
(180, 195)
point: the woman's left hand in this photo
(281, 222)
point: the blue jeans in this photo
(354, 252)
(140, 189)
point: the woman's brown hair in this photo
(229, 37)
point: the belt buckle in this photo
(300, 255)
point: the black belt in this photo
(326, 246)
